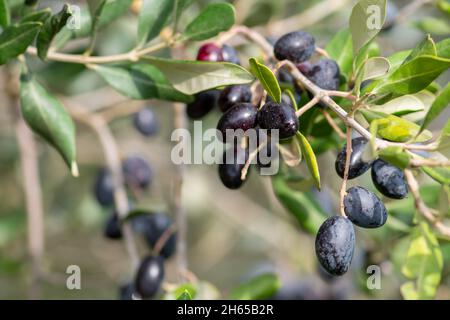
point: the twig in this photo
(111, 151)
(322, 52)
(422, 207)
(307, 106)
(163, 239)
(333, 124)
(180, 213)
(250, 159)
(417, 163)
(83, 59)
(33, 200)
(348, 156)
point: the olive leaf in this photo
(152, 18)
(310, 158)
(140, 81)
(423, 265)
(400, 106)
(261, 287)
(340, 49)
(426, 47)
(441, 102)
(5, 17)
(366, 20)
(396, 156)
(267, 79)
(37, 16)
(396, 129)
(441, 175)
(191, 77)
(14, 40)
(433, 25)
(443, 48)
(413, 76)
(185, 296)
(215, 18)
(302, 205)
(372, 68)
(51, 27)
(47, 117)
(444, 139)
(180, 6)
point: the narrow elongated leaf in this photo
(215, 18)
(423, 265)
(396, 156)
(140, 81)
(375, 67)
(180, 6)
(426, 47)
(340, 49)
(14, 40)
(51, 27)
(185, 296)
(444, 139)
(267, 79)
(191, 77)
(366, 21)
(112, 10)
(152, 18)
(443, 48)
(310, 158)
(5, 18)
(401, 105)
(413, 76)
(258, 288)
(37, 16)
(47, 117)
(301, 205)
(441, 175)
(397, 129)
(433, 25)
(442, 101)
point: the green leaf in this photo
(14, 40)
(191, 77)
(37, 16)
(444, 6)
(433, 25)
(423, 265)
(366, 21)
(259, 288)
(413, 76)
(291, 96)
(396, 129)
(152, 18)
(396, 156)
(444, 139)
(310, 158)
(302, 206)
(340, 49)
(47, 117)
(215, 18)
(112, 10)
(5, 17)
(443, 48)
(267, 79)
(401, 105)
(372, 68)
(426, 47)
(441, 175)
(51, 27)
(441, 102)
(185, 296)
(140, 81)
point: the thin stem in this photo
(322, 52)
(422, 208)
(333, 124)
(250, 34)
(180, 213)
(307, 106)
(111, 151)
(250, 159)
(348, 156)
(83, 59)
(342, 94)
(163, 239)
(417, 163)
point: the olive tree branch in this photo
(111, 151)
(348, 153)
(422, 208)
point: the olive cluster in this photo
(335, 241)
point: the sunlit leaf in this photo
(258, 288)
(267, 79)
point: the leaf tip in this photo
(74, 169)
